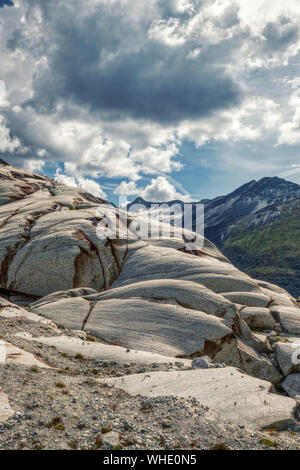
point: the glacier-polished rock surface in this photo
(150, 295)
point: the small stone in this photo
(202, 363)
(110, 440)
(80, 334)
(165, 424)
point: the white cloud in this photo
(289, 130)
(34, 165)
(243, 38)
(65, 179)
(128, 189)
(247, 122)
(7, 142)
(91, 186)
(161, 190)
(3, 100)
(84, 183)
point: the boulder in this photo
(70, 312)
(291, 385)
(289, 318)
(204, 362)
(239, 354)
(288, 357)
(258, 317)
(162, 328)
(43, 233)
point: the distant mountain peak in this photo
(139, 200)
(267, 190)
(148, 204)
(275, 180)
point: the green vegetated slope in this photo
(269, 251)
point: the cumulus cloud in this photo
(247, 122)
(84, 183)
(114, 88)
(8, 142)
(140, 77)
(161, 190)
(35, 166)
(127, 189)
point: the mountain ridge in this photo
(233, 222)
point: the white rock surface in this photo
(8, 310)
(155, 295)
(288, 357)
(103, 352)
(289, 318)
(18, 356)
(5, 409)
(155, 327)
(184, 293)
(149, 301)
(227, 392)
(258, 317)
(70, 312)
(250, 299)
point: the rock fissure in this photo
(95, 248)
(92, 306)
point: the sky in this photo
(167, 99)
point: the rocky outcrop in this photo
(18, 356)
(103, 352)
(171, 303)
(227, 392)
(61, 259)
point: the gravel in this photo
(67, 408)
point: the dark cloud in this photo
(6, 2)
(108, 64)
(169, 9)
(280, 35)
